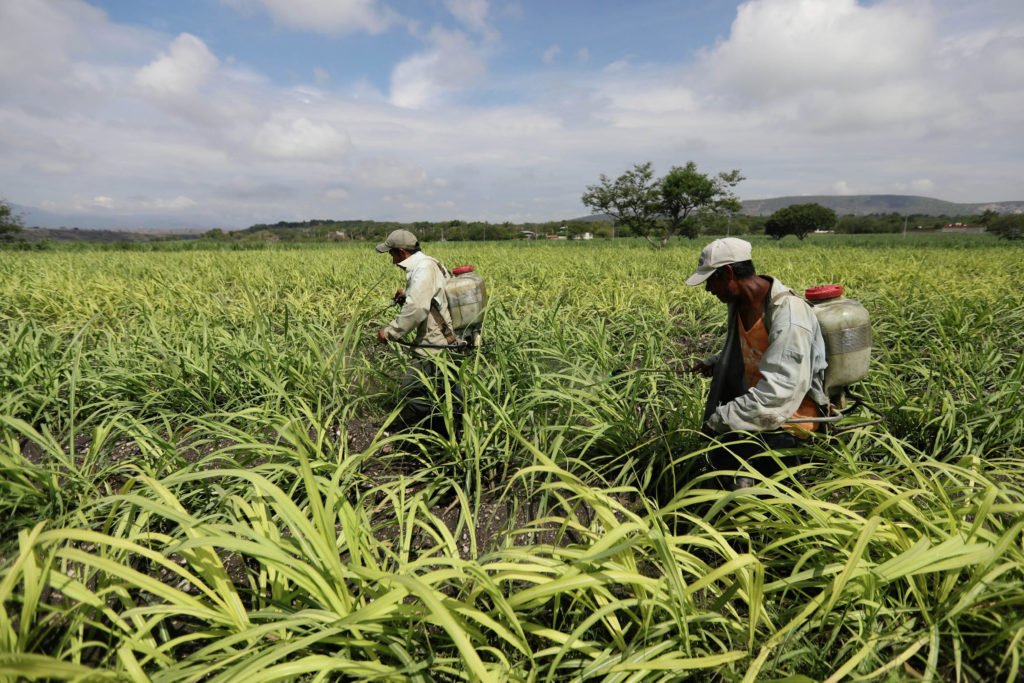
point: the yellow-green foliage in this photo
(198, 483)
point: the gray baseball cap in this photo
(399, 239)
(717, 254)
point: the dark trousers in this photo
(420, 390)
(738, 448)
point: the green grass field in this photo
(198, 481)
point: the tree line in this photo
(684, 203)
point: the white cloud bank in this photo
(778, 48)
(804, 96)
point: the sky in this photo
(227, 113)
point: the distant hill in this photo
(77, 235)
(865, 204)
(34, 217)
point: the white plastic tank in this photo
(846, 327)
(467, 301)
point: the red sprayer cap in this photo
(462, 270)
(823, 292)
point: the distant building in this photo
(962, 228)
(338, 236)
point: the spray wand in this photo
(671, 371)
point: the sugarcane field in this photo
(204, 477)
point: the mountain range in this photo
(865, 204)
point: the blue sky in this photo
(225, 113)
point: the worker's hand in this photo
(399, 297)
(701, 369)
(382, 336)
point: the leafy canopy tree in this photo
(1009, 227)
(10, 223)
(680, 203)
(987, 216)
(632, 199)
(799, 219)
(691, 200)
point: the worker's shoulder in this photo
(428, 269)
(421, 261)
(789, 308)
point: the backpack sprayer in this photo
(846, 328)
(467, 303)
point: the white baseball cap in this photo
(717, 254)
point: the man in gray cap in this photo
(425, 311)
(771, 371)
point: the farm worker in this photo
(425, 310)
(771, 369)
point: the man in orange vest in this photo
(771, 371)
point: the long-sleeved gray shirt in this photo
(793, 367)
(424, 281)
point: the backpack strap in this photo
(435, 312)
(788, 292)
(444, 271)
(446, 329)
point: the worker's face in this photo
(398, 255)
(722, 284)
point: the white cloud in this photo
(426, 79)
(40, 38)
(885, 105)
(175, 203)
(301, 140)
(992, 58)
(321, 75)
(389, 174)
(583, 55)
(181, 72)
(548, 57)
(325, 16)
(51, 167)
(179, 203)
(777, 47)
(843, 188)
(654, 98)
(923, 186)
(471, 13)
